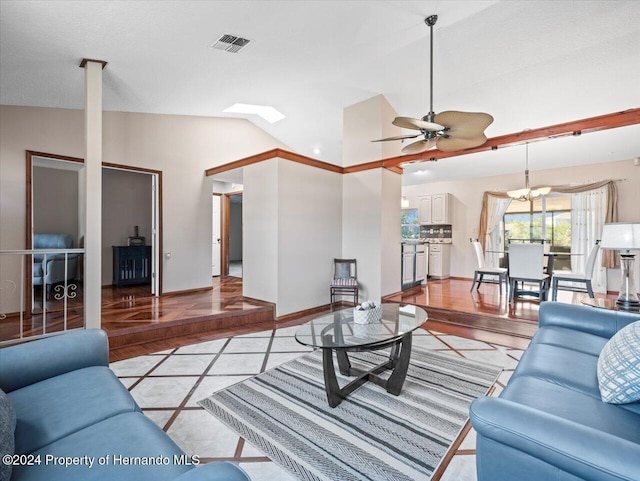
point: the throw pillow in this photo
(619, 366)
(7, 433)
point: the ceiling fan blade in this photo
(398, 137)
(416, 124)
(464, 125)
(452, 144)
(419, 146)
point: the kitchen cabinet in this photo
(440, 261)
(434, 209)
(414, 263)
(421, 266)
(407, 268)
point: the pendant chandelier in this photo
(527, 194)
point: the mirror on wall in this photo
(55, 224)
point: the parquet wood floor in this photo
(138, 323)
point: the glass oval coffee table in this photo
(337, 332)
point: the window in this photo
(410, 224)
(524, 220)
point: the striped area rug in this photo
(372, 435)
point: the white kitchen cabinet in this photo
(440, 260)
(407, 267)
(440, 209)
(424, 208)
(421, 266)
(434, 209)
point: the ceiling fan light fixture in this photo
(452, 130)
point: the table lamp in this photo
(624, 237)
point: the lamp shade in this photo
(620, 237)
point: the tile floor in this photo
(168, 384)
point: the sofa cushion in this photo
(570, 339)
(580, 408)
(7, 429)
(56, 407)
(129, 435)
(565, 367)
(619, 366)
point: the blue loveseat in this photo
(68, 406)
(549, 423)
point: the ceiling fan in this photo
(448, 131)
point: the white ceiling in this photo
(528, 63)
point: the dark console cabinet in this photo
(131, 265)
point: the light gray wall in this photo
(55, 202)
(126, 202)
(235, 232)
(181, 147)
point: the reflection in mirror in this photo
(56, 228)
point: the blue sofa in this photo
(53, 271)
(550, 423)
(68, 404)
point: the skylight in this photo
(269, 114)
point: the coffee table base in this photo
(398, 362)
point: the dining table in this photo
(549, 255)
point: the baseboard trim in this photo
(304, 312)
(186, 291)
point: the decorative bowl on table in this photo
(367, 313)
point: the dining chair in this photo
(526, 265)
(482, 270)
(577, 277)
(345, 280)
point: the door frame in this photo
(30, 154)
(220, 219)
(156, 249)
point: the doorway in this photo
(229, 239)
(235, 235)
(54, 205)
(130, 228)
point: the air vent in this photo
(230, 43)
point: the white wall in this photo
(182, 147)
(260, 239)
(390, 233)
(371, 230)
(292, 231)
(466, 201)
(55, 202)
(126, 202)
(310, 223)
(366, 121)
(371, 209)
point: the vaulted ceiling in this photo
(528, 63)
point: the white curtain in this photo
(496, 208)
(588, 211)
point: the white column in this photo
(371, 198)
(93, 193)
